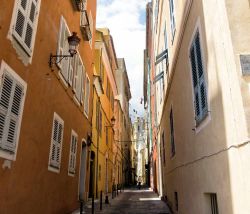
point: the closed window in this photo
(87, 92)
(199, 83)
(214, 205)
(79, 79)
(56, 143)
(172, 140)
(163, 149)
(66, 65)
(172, 18)
(12, 95)
(25, 18)
(72, 154)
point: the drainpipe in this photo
(97, 157)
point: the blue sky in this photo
(126, 21)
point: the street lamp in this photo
(73, 41)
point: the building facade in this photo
(201, 62)
(45, 109)
(124, 133)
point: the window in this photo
(163, 149)
(56, 144)
(97, 115)
(214, 205)
(199, 85)
(72, 154)
(172, 17)
(25, 18)
(87, 91)
(176, 200)
(107, 135)
(66, 65)
(91, 25)
(171, 119)
(12, 96)
(165, 37)
(79, 77)
(100, 122)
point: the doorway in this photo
(83, 171)
(92, 174)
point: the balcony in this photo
(85, 26)
(162, 56)
(80, 5)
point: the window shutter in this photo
(76, 65)
(83, 84)
(54, 143)
(61, 41)
(71, 70)
(10, 104)
(199, 85)
(57, 134)
(78, 82)
(25, 23)
(73, 149)
(63, 49)
(87, 91)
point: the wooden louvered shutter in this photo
(63, 49)
(79, 80)
(10, 104)
(195, 83)
(83, 84)
(76, 65)
(202, 85)
(54, 143)
(57, 136)
(87, 91)
(25, 23)
(73, 149)
(71, 70)
(199, 84)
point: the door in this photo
(83, 171)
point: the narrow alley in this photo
(125, 106)
(130, 201)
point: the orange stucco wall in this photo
(28, 186)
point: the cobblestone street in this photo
(131, 201)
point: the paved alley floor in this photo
(133, 201)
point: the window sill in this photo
(203, 122)
(53, 169)
(7, 155)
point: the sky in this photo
(126, 22)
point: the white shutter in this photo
(83, 84)
(61, 41)
(87, 91)
(56, 143)
(25, 23)
(73, 150)
(71, 70)
(63, 49)
(76, 63)
(10, 104)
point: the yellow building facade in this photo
(101, 164)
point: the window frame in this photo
(86, 99)
(6, 68)
(204, 115)
(172, 19)
(25, 53)
(50, 166)
(73, 134)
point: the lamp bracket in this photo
(53, 59)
